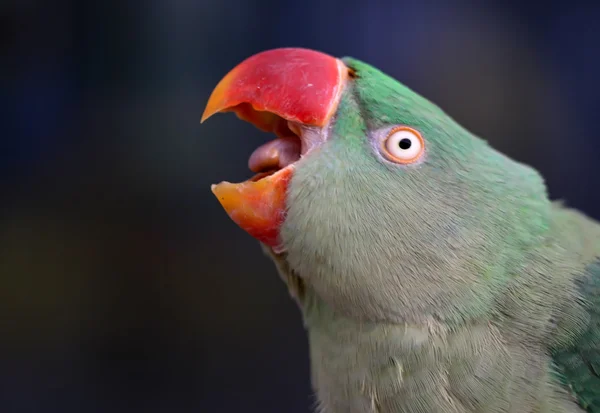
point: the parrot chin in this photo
(292, 93)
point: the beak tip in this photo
(208, 111)
(214, 188)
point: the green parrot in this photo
(433, 273)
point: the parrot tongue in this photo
(275, 155)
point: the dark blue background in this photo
(125, 287)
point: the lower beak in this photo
(258, 207)
(272, 90)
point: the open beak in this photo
(288, 92)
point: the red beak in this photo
(268, 89)
(299, 85)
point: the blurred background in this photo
(124, 285)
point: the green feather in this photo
(578, 365)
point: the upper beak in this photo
(298, 85)
(270, 88)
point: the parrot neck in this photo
(356, 365)
(369, 365)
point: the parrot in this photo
(433, 273)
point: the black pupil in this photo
(405, 143)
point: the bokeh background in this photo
(124, 286)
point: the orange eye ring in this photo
(403, 145)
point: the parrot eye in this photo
(403, 145)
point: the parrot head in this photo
(383, 204)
